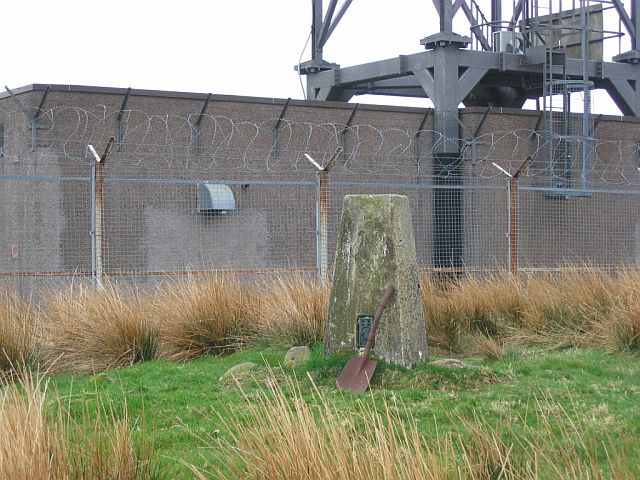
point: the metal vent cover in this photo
(215, 198)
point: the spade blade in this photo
(356, 376)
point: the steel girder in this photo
(413, 75)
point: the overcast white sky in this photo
(240, 47)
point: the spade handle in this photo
(389, 291)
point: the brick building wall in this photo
(151, 218)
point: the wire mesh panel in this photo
(600, 229)
(245, 199)
(188, 225)
(44, 213)
(486, 227)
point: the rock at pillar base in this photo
(376, 247)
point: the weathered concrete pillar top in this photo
(375, 247)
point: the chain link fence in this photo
(248, 201)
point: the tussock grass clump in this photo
(618, 328)
(490, 306)
(586, 307)
(202, 316)
(92, 330)
(38, 443)
(492, 348)
(280, 434)
(19, 341)
(290, 311)
(557, 302)
(28, 449)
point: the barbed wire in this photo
(273, 146)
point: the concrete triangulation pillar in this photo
(376, 247)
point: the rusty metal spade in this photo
(357, 373)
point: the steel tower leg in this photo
(448, 199)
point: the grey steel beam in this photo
(457, 5)
(446, 16)
(625, 96)
(476, 31)
(448, 205)
(337, 94)
(380, 70)
(635, 19)
(322, 35)
(626, 20)
(517, 11)
(496, 15)
(400, 91)
(468, 80)
(341, 12)
(316, 25)
(392, 74)
(425, 78)
(445, 99)
(455, 88)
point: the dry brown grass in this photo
(38, 444)
(286, 438)
(490, 306)
(19, 341)
(202, 316)
(585, 307)
(617, 328)
(279, 434)
(89, 330)
(290, 311)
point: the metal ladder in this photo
(559, 147)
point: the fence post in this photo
(322, 213)
(512, 211)
(97, 211)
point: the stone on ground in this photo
(296, 356)
(238, 371)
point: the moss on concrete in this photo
(376, 247)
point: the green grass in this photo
(180, 404)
